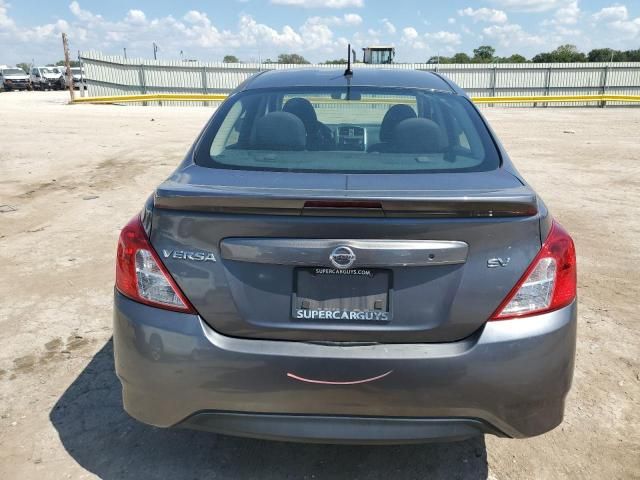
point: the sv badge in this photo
(498, 262)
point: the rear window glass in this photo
(359, 130)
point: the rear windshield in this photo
(359, 130)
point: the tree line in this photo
(487, 54)
(563, 54)
(27, 66)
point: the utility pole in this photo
(155, 51)
(67, 64)
(125, 52)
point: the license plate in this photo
(350, 295)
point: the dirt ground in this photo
(71, 176)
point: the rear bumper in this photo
(508, 379)
(337, 429)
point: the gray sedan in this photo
(346, 257)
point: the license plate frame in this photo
(316, 286)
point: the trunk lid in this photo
(415, 251)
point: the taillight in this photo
(140, 274)
(548, 284)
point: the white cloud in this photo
(571, 33)
(199, 31)
(136, 17)
(444, 38)
(611, 14)
(11, 33)
(348, 19)
(616, 19)
(451, 21)
(483, 14)
(511, 35)
(411, 38)
(251, 33)
(352, 19)
(197, 18)
(409, 33)
(6, 23)
(83, 15)
(320, 3)
(389, 27)
(441, 41)
(630, 29)
(316, 33)
(568, 14)
(530, 5)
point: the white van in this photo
(45, 78)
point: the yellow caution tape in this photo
(558, 99)
(154, 97)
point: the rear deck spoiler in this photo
(517, 202)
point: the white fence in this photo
(113, 75)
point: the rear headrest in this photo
(280, 131)
(302, 108)
(418, 135)
(392, 118)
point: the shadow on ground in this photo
(103, 439)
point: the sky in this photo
(254, 30)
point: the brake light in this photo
(342, 204)
(548, 284)
(140, 274)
